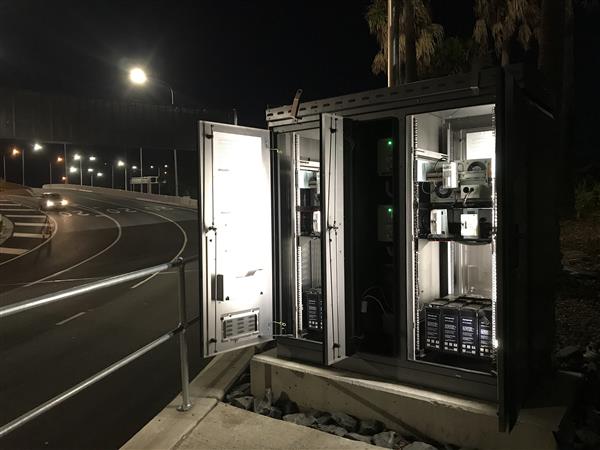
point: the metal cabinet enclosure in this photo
(404, 233)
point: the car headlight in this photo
(64, 202)
(49, 203)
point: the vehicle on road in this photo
(52, 200)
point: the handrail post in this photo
(183, 350)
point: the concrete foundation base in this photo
(424, 414)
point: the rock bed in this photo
(344, 425)
(578, 330)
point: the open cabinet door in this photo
(332, 189)
(235, 237)
(528, 246)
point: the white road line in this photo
(54, 229)
(29, 224)
(12, 251)
(27, 216)
(185, 240)
(119, 233)
(29, 235)
(17, 209)
(68, 319)
(10, 204)
(185, 237)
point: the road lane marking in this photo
(29, 224)
(12, 251)
(27, 216)
(73, 317)
(54, 229)
(185, 240)
(185, 237)
(10, 204)
(119, 233)
(29, 235)
(16, 209)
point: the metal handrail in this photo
(180, 330)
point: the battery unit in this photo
(486, 347)
(433, 327)
(469, 329)
(313, 308)
(451, 326)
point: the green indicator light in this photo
(390, 142)
(390, 210)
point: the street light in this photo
(37, 147)
(122, 164)
(77, 157)
(92, 158)
(138, 76)
(91, 171)
(16, 152)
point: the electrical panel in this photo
(385, 223)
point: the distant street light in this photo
(90, 170)
(77, 157)
(16, 152)
(37, 147)
(134, 167)
(72, 169)
(59, 159)
(122, 164)
(92, 158)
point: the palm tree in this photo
(501, 23)
(419, 37)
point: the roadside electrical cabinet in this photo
(405, 233)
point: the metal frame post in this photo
(183, 350)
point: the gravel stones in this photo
(359, 437)
(345, 421)
(385, 439)
(300, 419)
(286, 405)
(333, 429)
(370, 427)
(246, 402)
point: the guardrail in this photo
(180, 331)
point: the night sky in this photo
(221, 55)
(216, 54)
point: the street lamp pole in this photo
(138, 76)
(4, 165)
(23, 165)
(50, 166)
(65, 159)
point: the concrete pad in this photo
(220, 374)
(231, 428)
(442, 417)
(167, 429)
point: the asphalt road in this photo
(47, 350)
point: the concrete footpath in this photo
(212, 424)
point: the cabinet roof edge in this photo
(470, 83)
